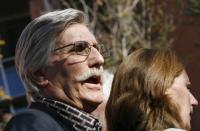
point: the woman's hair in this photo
(37, 42)
(138, 99)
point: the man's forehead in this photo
(76, 32)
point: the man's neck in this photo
(99, 113)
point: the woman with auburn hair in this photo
(150, 92)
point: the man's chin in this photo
(89, 105)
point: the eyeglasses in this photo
(80, 48)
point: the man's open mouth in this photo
(93, 80)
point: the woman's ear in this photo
(39, 78)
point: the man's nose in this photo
(95, 58)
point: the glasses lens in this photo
(74, 53)
(82, 48)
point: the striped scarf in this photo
(82, 121)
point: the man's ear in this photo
(39, 78)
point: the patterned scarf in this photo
(82, 121)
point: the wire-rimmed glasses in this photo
(80, 50)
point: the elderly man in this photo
(60, 64)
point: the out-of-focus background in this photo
(121, 25)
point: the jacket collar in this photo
(81, 120)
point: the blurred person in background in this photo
(60, 63)
(5, 114)
(150, 92)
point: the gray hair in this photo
(37, 42)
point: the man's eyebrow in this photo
(60, 44)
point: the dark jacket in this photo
(38, 117)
